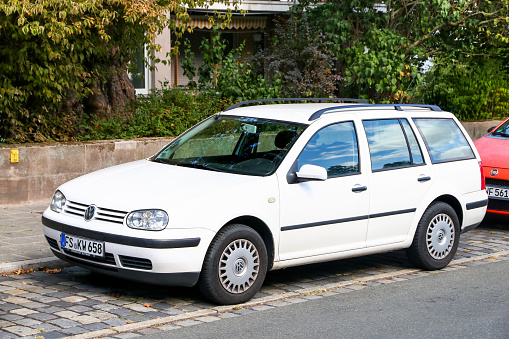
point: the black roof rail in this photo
(397, 107)
(243, 103)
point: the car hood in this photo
(494, 151)
(145, 184)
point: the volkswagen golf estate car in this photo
(264, 187)
(494, 151)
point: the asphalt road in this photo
(467, 303)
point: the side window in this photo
(392, 144)
(444, 140)
(415, 150)
(335, 148)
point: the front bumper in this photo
(498, 207)
(172, 262)
(498, 179)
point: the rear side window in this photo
(444, 140)
(392, 144)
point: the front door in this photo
(324, 217)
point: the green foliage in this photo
(188, 64)
(372, 60)
(300, 59)
(56, 53)
(469, 90)
(213, 50)
(227, 74)
(380, 46)
(236, 80)
(167, 112)
(52, 52)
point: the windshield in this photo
(502, 130)
(233, 144)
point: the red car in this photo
(494, 151)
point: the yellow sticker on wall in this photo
(14, 156)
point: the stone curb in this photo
(268, 299)
(35, 264)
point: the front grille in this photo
(103, 214)
(498, 205)
(497, 182)
(52, 243)
(108, 257)
(132, 262)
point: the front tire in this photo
(235, 266)
(436, 238)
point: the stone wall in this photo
(42, 168)
(477, 129)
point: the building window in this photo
(141, 76)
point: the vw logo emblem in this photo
(89, 212)
(239, 267)
(494, 172)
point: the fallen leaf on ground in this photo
(146, 305)
(54, 271)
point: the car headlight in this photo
(58, 202)
(151, 220)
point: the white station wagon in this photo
(265, 187)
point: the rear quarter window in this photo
(444, 140)
(392, 144)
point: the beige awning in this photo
(255, 22)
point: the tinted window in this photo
(389, 146)
(415, 150)
(233, 144)
(444, 140)
(335, 148)
(502, 130)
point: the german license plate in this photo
(498, 193)
(82, 245)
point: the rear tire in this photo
(436, 238)
(234, 267)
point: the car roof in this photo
(307, 113)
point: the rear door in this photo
(399, 179)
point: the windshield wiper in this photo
(161, 161)
(199, 166)
(502, 134)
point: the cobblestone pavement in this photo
(21, 236)
(75, 302)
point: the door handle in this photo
(422, 179)
(359, 189)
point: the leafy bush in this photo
(380, 46)
(299, 59)
(227, 75)
(469, 90)
(61, 58)
(54, 52)
(166, 112)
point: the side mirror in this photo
(491, 129)
(311, 172)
